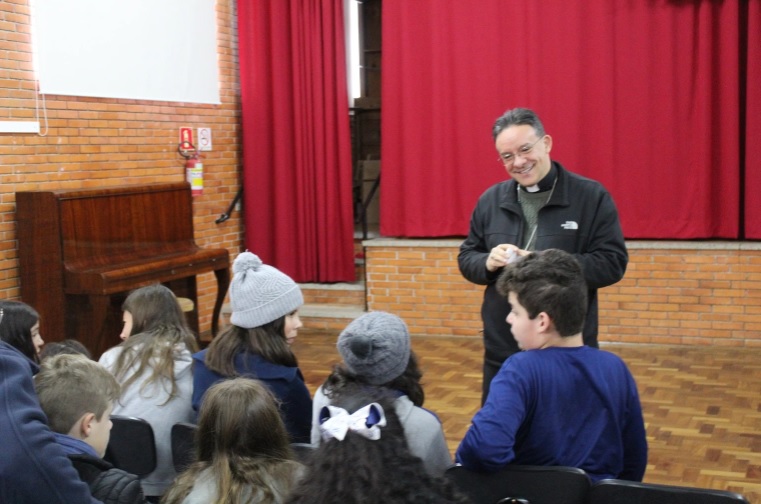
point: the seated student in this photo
(265, 322)
(364, 457)
(154, 367)
(558, 402)
(243, 451)
(376, 353)
(20, 328)
(34, 469)
(67, 346)
(77, 395)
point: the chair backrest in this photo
(613, 491)
(523, 484)
(303, 451)
(183, 445)
(132, 446)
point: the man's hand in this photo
(501, 255)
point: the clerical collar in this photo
(545, 184)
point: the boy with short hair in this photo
(77, 395)
(558, 402)
(33, 469)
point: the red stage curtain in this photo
(753, 125)
(642, 96)
(296, 142)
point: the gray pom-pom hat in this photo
(260, 294)
(376, 346)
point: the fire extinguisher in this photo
(193, 168)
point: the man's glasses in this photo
(508, 158)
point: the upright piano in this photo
(82, 251)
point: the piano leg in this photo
(186, 287)
(223, 282)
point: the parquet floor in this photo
(702, 405)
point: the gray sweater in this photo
(205, 489)
(151, 405)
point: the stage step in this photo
(332, 306)
(326, 306)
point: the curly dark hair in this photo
(408, 382)
(358, 470)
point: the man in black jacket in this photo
(541, 206)
(77, 395)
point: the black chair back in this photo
(183, 445)
(132, 447)
(613, 491)
(520, 484)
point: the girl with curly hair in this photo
(376, 354)
(363, 457)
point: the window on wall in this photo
(144, 49)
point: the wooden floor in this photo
(702, 405)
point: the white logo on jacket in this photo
(569, 224)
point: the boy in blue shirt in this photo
(558, 402)
(77, 395)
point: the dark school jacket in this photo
(580, 218)
(108, 484)
(33, 468)
(286, 383)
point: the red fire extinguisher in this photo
(193, 169)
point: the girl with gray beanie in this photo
(376, 356)
(265, 321)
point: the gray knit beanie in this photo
(375, 346)
(259, 293)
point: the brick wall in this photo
(687, 293)
(95, 142)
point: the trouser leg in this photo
(491, 368)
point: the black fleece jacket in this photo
(580, 218)
(108, 484)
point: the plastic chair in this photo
(523, 484)
(132, 447)
(612, 491)
(183, 445)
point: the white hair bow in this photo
(336, 422)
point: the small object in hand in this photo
(512, 256)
